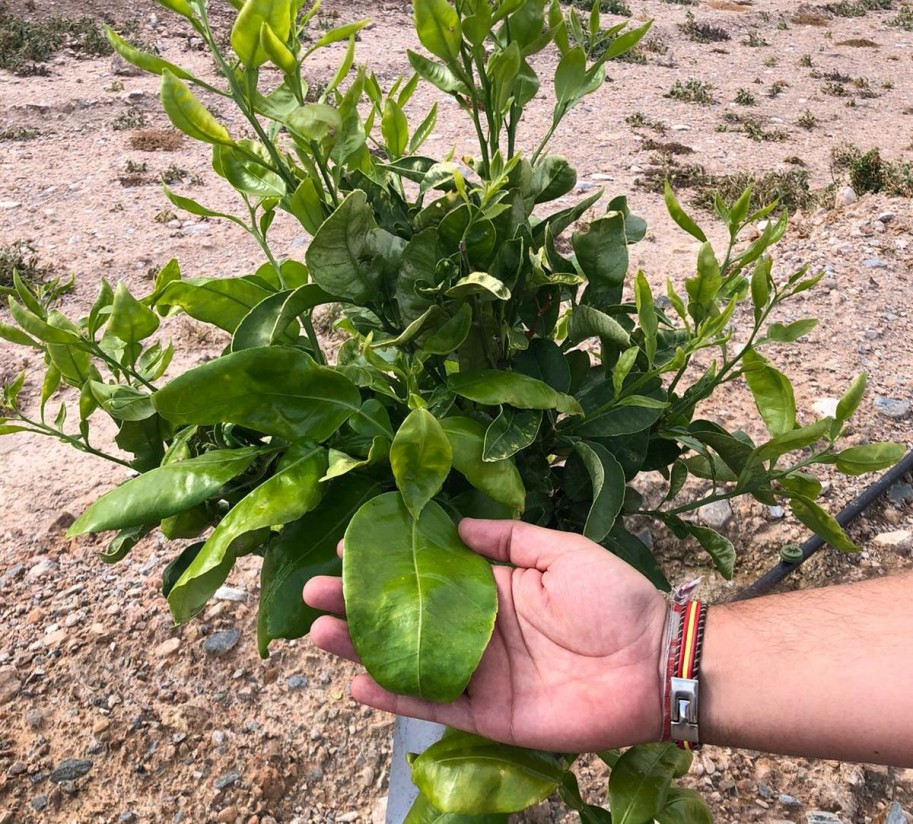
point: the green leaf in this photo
(602, 252)
(717, 547)
(678, 215)
(420, 606)
(339, 255)
(123, 403)
(143, 60)
(849, 403)
(222, 302)
(450, 334)
(500, 480)
(120, 545)
(822, 523)
(175, 568)
(39, 328)
(340, 33)
(70, 359)
(608, 479)
(275, 390)
(494, 388)
(479, 283)
(760, 286)
(424, 812)
(635, 552)
(306, 204)
(606, 419)
(438, 27)
(188, 115)
(790, 332)
(544, 361)
(165, 491)
(285, 497)
(250, 176)
(512, 431)
(553, 177)
(275, 319)
(277, 52)
(802, 483)
(640, 781)
(792, 440)
(773, 394)
(857, 460)
(305, 548)
(17, 336)
(587, 322)
(245, 34)
(465, 773)
(190, 205)
(395, 129)
(436, 74)
(646, 314)
(621, 371)
(421, 457)
(570, 76)
(684, 806)
(130, 320)
(703, 289)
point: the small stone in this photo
(219, 737)
(228, 815)
(39, 802)
(776, 513)
(45, 566)
(901, 493)
(17, 768)
(222, 642)
(189, 229)
(167, 648)
(230, 594)
(681, 127)
(347, 818)
(227, 780)
(895, 815)
(297, 682)
(709, 766)
(601, 176)
(900, 540)
(9, 685)
(846, 196)
(55, 639)
(646, 538)
(716, 515)
(886, 217)
(127, 817)
(825, 407)
(821, 817)
(367, 777)
(892, 408)
(71, 769)
(788, 800)
(874, 263)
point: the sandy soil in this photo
(90, 664)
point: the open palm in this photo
(573, 664)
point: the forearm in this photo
(822, 673)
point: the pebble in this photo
(167, 648)
(681, 127)
(367, 777)
(874, 263)
(189, 229)
(825, 407)
(228, 815)
(17, 768)
(39, 802)
(297, 682)
(227, 780)
(127, 817)
(71, 769)
(219, 737)
(821, 817)
(892, 408)
(901, 493)
(846, 196)
(222, 642)
(45, 566)
(347, 818)
(899, 540)
(776, 513)
(9, 685)
(895, 815)
(715, 515)
(789, 801)
(230, 594)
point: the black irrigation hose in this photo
(849, 514)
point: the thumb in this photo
(519, 543)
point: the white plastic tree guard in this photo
(409, 735)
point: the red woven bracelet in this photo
(680, 688)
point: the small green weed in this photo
(19, 133)
(21, 257)
(618, 7)
(859, 8)
(806, 61)
(702, 32)
(903, 20)
(173, 174)
(131, 119)
(807, 120)
(638, 120)
(654, 45)
(754, 40)
(777, 87)
(745, 98)
(870, 172)
(692, 91)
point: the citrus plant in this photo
(497, 363)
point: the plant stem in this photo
(78, 443)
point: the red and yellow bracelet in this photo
(681, 694)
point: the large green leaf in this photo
(605, 419)
(640, 781)
(544, 361)
(512, 431)
(608, 479)
(340, 256)
(130, 320)
(494, 388)
(821, 522)
(438, 28)
(275, 319)
(602, 252)
(632, 550)
(500, 480)
(165, 491)
(773, 394)
(420, 456)
(464, 773)
(223, 302)
(857, 460)
(424, 812)
(254, 177)
(286, 496)
(717, 547)
(684, 806)
(420, 606)
(275, 390)
(188, 115)
(305, 548)
(245, 34)
(587, 322)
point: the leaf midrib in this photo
(421, 607)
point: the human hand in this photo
(573, 664)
